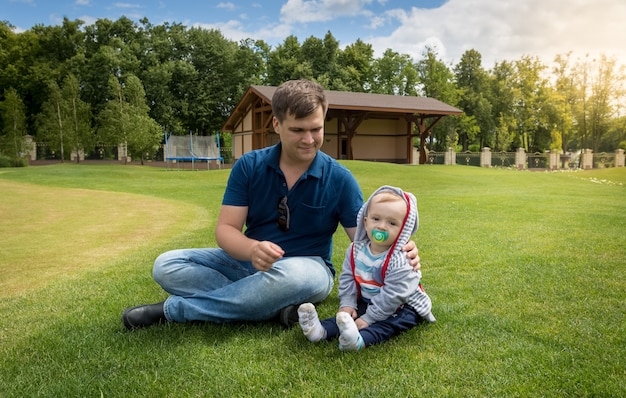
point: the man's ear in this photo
(275, 124)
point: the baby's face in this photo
(383, 221)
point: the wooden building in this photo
(359, 126)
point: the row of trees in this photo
(75, 86)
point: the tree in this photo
(125, 120)
(394, 74)
(218, 82)
(355, 67)
(13, 116)
(321, 56)
(472, 81)
(51, 120)
(21, 68)
(437, 81)
(502, 96)
(505, 133)
(564, 102)
(252, 58)
(286, 63)
(532, 132)
(78, 128)
(65, 119)
(606, 88)
(144, 133)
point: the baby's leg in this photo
(350, 339)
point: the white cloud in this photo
(126, 5)
(235, 30)
(508, 29)
(305, 11)
(88, 20)
(227, 6)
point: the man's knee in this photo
(163, 264)
(306, 277)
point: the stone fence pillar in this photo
(416, 156)
(485, 157)
(587, 159)
(31, 147)
(80, 154)
(520, 158)
(450, 156)
(619, 158)
(122, 153)
(553, 158)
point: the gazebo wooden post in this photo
(423, 134)
(409, 141)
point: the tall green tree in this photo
(124, 120)
(218, 81)
(321, 56)
(51, 121)
(355, 67)
(252, 58)
(64, 122)
(532, 133)
(606, 89)
(473, 83)
(394, 74)
(566, 95)
(285, 62)
(505, 133)
(13, 116)
(21, 70)
(78, 129)
(159, 88)
(145, 134)
(503, 95)
(437, 81)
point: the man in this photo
(290, 198)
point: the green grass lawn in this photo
(527, 272)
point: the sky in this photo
(498, 29)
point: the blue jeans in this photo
(209, 285)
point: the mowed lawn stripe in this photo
(47, 232)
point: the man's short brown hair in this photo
(299, 98)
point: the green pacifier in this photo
(379, 236)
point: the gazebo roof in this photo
(344, 100)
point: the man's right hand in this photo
(264, 254)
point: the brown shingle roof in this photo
(375, 102)
(344, 100)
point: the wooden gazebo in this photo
(364, 126)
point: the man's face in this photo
(301, 138)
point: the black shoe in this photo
(288, 316)
(143, 316)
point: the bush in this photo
(6, 161)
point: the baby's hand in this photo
(349, 310)
(361, 324)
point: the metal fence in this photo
(531, 161)
(503, 159)
(436, 157)
(602, 160)
(468, 158)
(537, 160)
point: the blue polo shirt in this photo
(325, 195)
